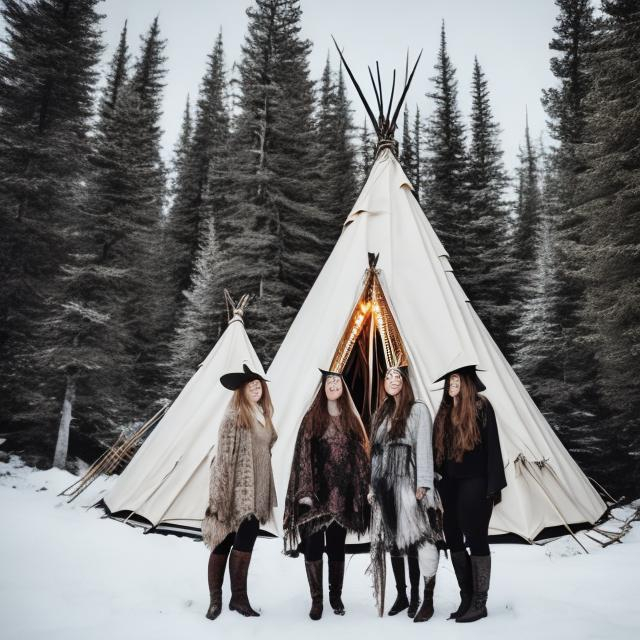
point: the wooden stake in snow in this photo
(62, 445)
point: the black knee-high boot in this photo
(414, 580)
(401, 603)
(336, 577)
(462, 567)
(481, 573)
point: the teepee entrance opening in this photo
(364, 375)
(370, 343)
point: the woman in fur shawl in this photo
(242, 492)
(327, 495)
(407, 513)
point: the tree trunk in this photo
(62, 445)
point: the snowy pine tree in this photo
(609, 202)
(336, 189)
(274, 247)
(149, 308)
(544, 344)
(199, 160)
(47, 81)
(446, 183)
(88, 344)
(566, 360)
(366, 151)
(195, 224)
(565, 104)
(527, 212)
(200, 324)
(566, 107)
(487, 275)
(116, 78)
(183, 223)
(541, 345)
(407, 157)
(125, 198)
(181, 151)
(344, 168)
(417, 136)
(411, 150)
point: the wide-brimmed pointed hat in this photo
(235, 380)
(471, 370)
(326, 374)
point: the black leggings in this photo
(241, 540)
(467, 512)
(397, 564)
(314, 545)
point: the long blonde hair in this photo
(243, 409)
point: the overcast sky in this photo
(510, 39)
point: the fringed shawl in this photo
(333, 470)
(399, 521)
(231, 486)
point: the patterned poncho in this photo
(333, 470)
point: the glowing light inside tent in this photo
(372, 305)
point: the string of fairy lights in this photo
(372, 306)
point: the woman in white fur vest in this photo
(406, 509)
(242, 492)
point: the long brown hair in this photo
(455, 429)
(399, 411)
(318, 415)
(243, 410)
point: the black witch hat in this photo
(235, 380)
(471, 371)
(326, 374)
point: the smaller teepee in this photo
(166, 484)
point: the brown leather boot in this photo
(336, 578)
(238, 569)
(426, 610)
(215, 574)
(481, 572)
(314, 576)
(462, 567)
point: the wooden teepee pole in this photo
(108, 462)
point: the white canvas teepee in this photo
(440, 331)
(167, 481)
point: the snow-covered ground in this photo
(65, 572)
